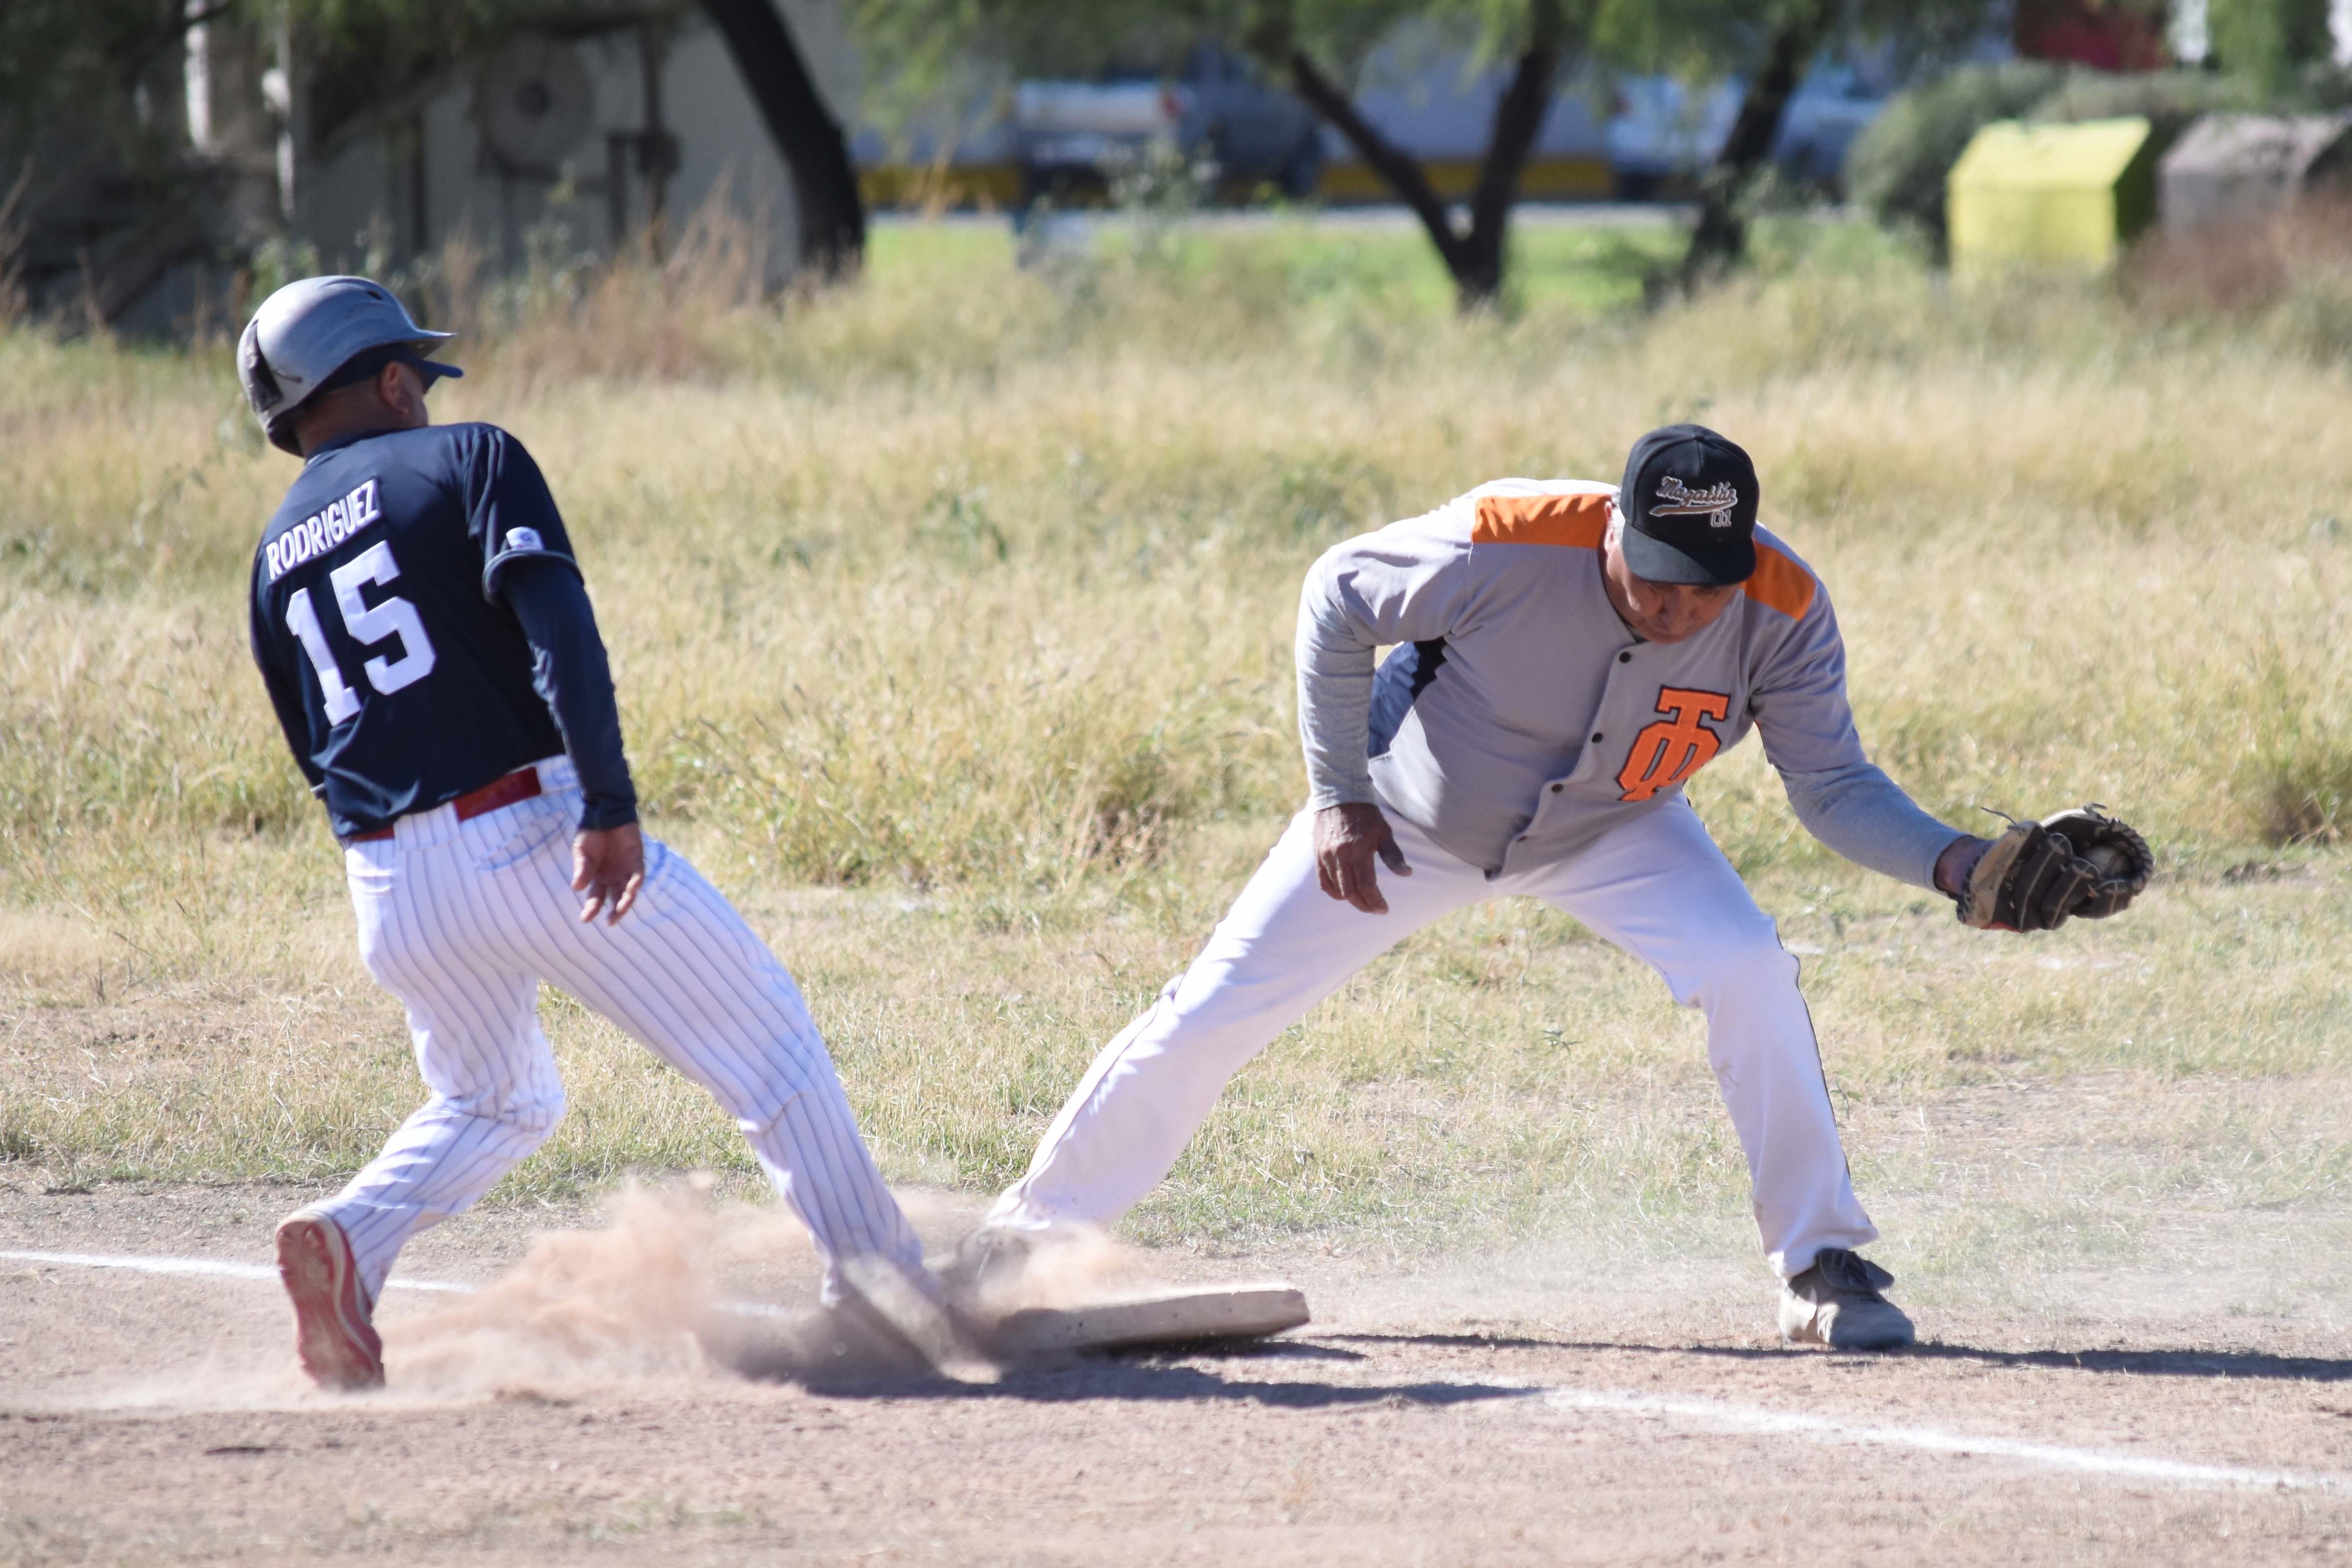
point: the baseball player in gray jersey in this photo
(1567, 655)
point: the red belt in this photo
(519, 784)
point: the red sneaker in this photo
(331, 1333)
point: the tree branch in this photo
(1721, 233)
(1401, 171)
(832, 216)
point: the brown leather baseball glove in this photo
(2038, 876)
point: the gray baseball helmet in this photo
(307, 332)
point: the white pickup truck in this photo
(1075, 136)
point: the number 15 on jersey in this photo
(393, 620)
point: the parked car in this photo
(1073, 138)
(1828, 111)
(1664, 132)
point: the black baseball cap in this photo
(1689, 505)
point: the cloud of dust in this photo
(583, 1307)
(1080, 1267)
(671, 1287)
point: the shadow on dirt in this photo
(2221, 1363)
(1134, 1381)
(2160, 1363)
(1164, 1374)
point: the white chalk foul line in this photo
(205, 1267)
(1748, 1420)
(1709, 1414)
(223, 1268)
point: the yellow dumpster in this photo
(2068, 194)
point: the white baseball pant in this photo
(462, 920)
(1657, 887)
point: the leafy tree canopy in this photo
(932, 40)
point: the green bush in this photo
(2167, 101)
(1897, 169)
(2268, 40)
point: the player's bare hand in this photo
(1348, 838)
(609, 866)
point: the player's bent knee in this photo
(530, 1116)
(545, 1112)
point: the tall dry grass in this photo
(967, 591)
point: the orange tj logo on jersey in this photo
(1671, 750)
(1678, 499)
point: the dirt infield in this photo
(1436, 1415)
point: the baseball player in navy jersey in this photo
(427, 642)
(1567, 655)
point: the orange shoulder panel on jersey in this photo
(1578, 520)
(1780, 584)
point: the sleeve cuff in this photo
(604, 816)
(1320, 796)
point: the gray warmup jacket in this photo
(1519, 717)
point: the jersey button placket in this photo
(1591, 759)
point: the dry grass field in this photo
(951, 613)
(951, 616)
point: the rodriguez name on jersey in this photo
(323, 530)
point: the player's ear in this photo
(402, 390)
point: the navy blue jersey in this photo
(400, 675)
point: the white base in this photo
(1161, 1317)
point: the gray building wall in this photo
(411, 177)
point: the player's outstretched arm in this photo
(571, 672)
(2034, 877)
(1842, 798)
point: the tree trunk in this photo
(1476, 258)
(1721, 235)
(1518, 118)
(1397, 168)
(811, 142)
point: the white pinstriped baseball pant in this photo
(1656, 886)
(462, 920)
